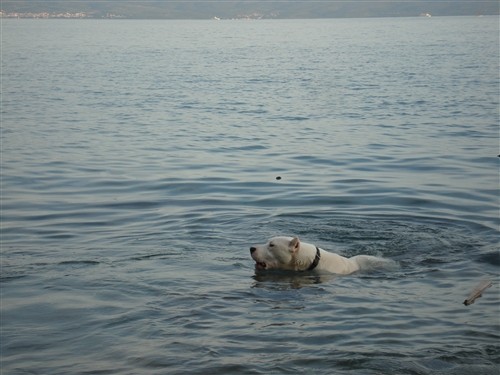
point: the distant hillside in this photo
(253, 9)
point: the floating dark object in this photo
(278, 177)
(477, 292)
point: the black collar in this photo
(316, 260)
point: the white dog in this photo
(288, 253)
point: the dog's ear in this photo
(294, 245)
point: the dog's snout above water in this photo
(252, 249)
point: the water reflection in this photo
(283, 280)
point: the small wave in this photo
(491, 258)
(154, 256)
(77, 263)
(7, 278)
(292, 118)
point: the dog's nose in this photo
(252, 249)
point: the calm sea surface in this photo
(140, 159)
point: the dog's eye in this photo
(271, 245)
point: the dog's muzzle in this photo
(258, 265)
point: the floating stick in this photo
(477, 292)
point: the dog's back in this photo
(372, 263)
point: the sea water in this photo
(141, 159)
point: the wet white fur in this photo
(289, 253)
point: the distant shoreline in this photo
(82, 16)
(242, 10)
(58, 15)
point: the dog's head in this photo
(277, 253)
